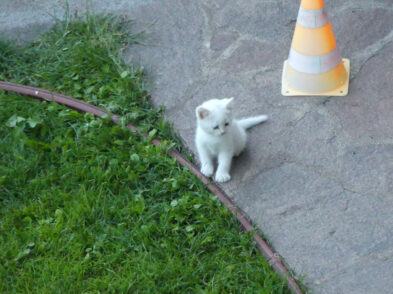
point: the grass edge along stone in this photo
(23, 213)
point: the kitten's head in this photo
(215, 116)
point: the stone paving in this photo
(317, 178)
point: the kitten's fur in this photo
(219, 136)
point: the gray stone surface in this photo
(317, 177)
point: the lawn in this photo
(89, 207)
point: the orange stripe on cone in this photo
(313, 42)
(312, 4)
(314, 66)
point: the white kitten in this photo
(219, 136)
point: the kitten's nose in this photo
(222, 133)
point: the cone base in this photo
(286, 90)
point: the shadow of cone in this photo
(314, 66)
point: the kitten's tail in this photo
(246, 123)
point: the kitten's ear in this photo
(202, 112)
(229, 103)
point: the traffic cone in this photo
(314, 66)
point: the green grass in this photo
(89, 207)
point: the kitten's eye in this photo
(216, 128)
(226, 124)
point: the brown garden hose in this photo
(79, 105)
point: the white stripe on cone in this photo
(312, 18)
(314, 64)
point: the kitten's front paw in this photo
(207, 170)
(222, 177)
